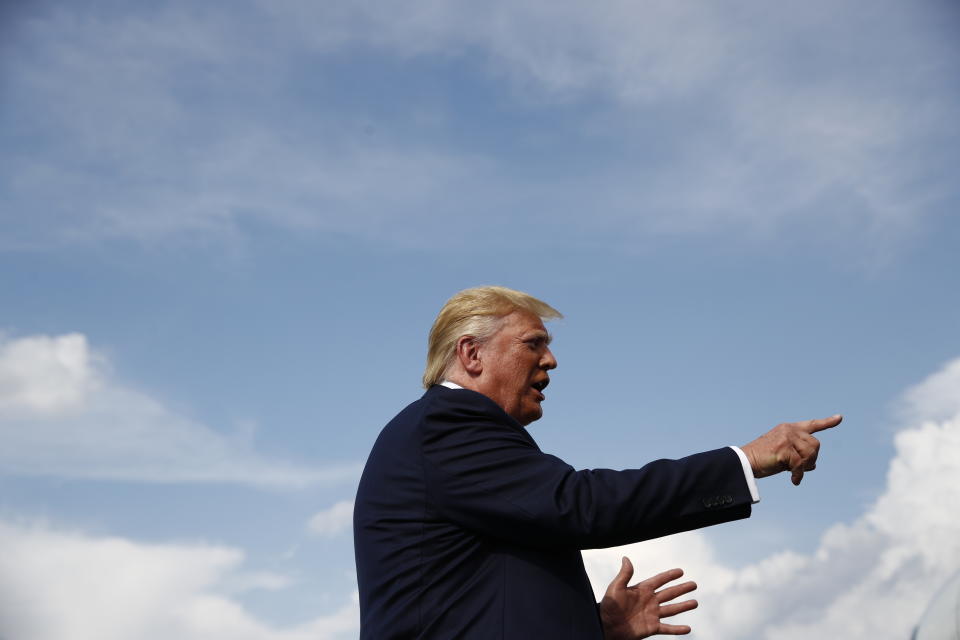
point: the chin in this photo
(531, 416)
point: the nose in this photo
(548, 361)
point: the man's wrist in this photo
(748, 474)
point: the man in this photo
(463, 528)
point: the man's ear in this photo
(468, 353)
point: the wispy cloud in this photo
(152, 122)
(61, 414)
(867, 579)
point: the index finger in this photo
(661, 578)
(812, 426)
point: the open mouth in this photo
(541, 385)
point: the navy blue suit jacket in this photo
(463, 528)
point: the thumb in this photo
(626, 572)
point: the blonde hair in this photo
(475, 312)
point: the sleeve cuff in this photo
(748, 475)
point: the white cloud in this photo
(936, 398)
(46, 374)
(60, 585)
(259, 580)
(60, 416)
(333, 520)
(868, 579)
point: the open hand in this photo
(634, 612)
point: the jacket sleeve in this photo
(488, 475)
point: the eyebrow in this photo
(539, 335)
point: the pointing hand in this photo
(788, 446)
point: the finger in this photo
(676, 591)
(805, 443)
(623, 577)
(794, 458)
(674, 629)
(812, 426)
(668, 610)
(804, 458)
(661, 579)
(809, 448)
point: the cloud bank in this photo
(62, 415)
(868, 579)
(64, 585)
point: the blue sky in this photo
(226, 229)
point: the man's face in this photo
(515, 364)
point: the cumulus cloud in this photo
(46, 374)
(333, 520)
(60, 585)
(61, 415)
(871, 578)
(936, 398)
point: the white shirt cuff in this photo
(748, 474)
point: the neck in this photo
(463, 379)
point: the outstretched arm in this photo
(629, 613)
